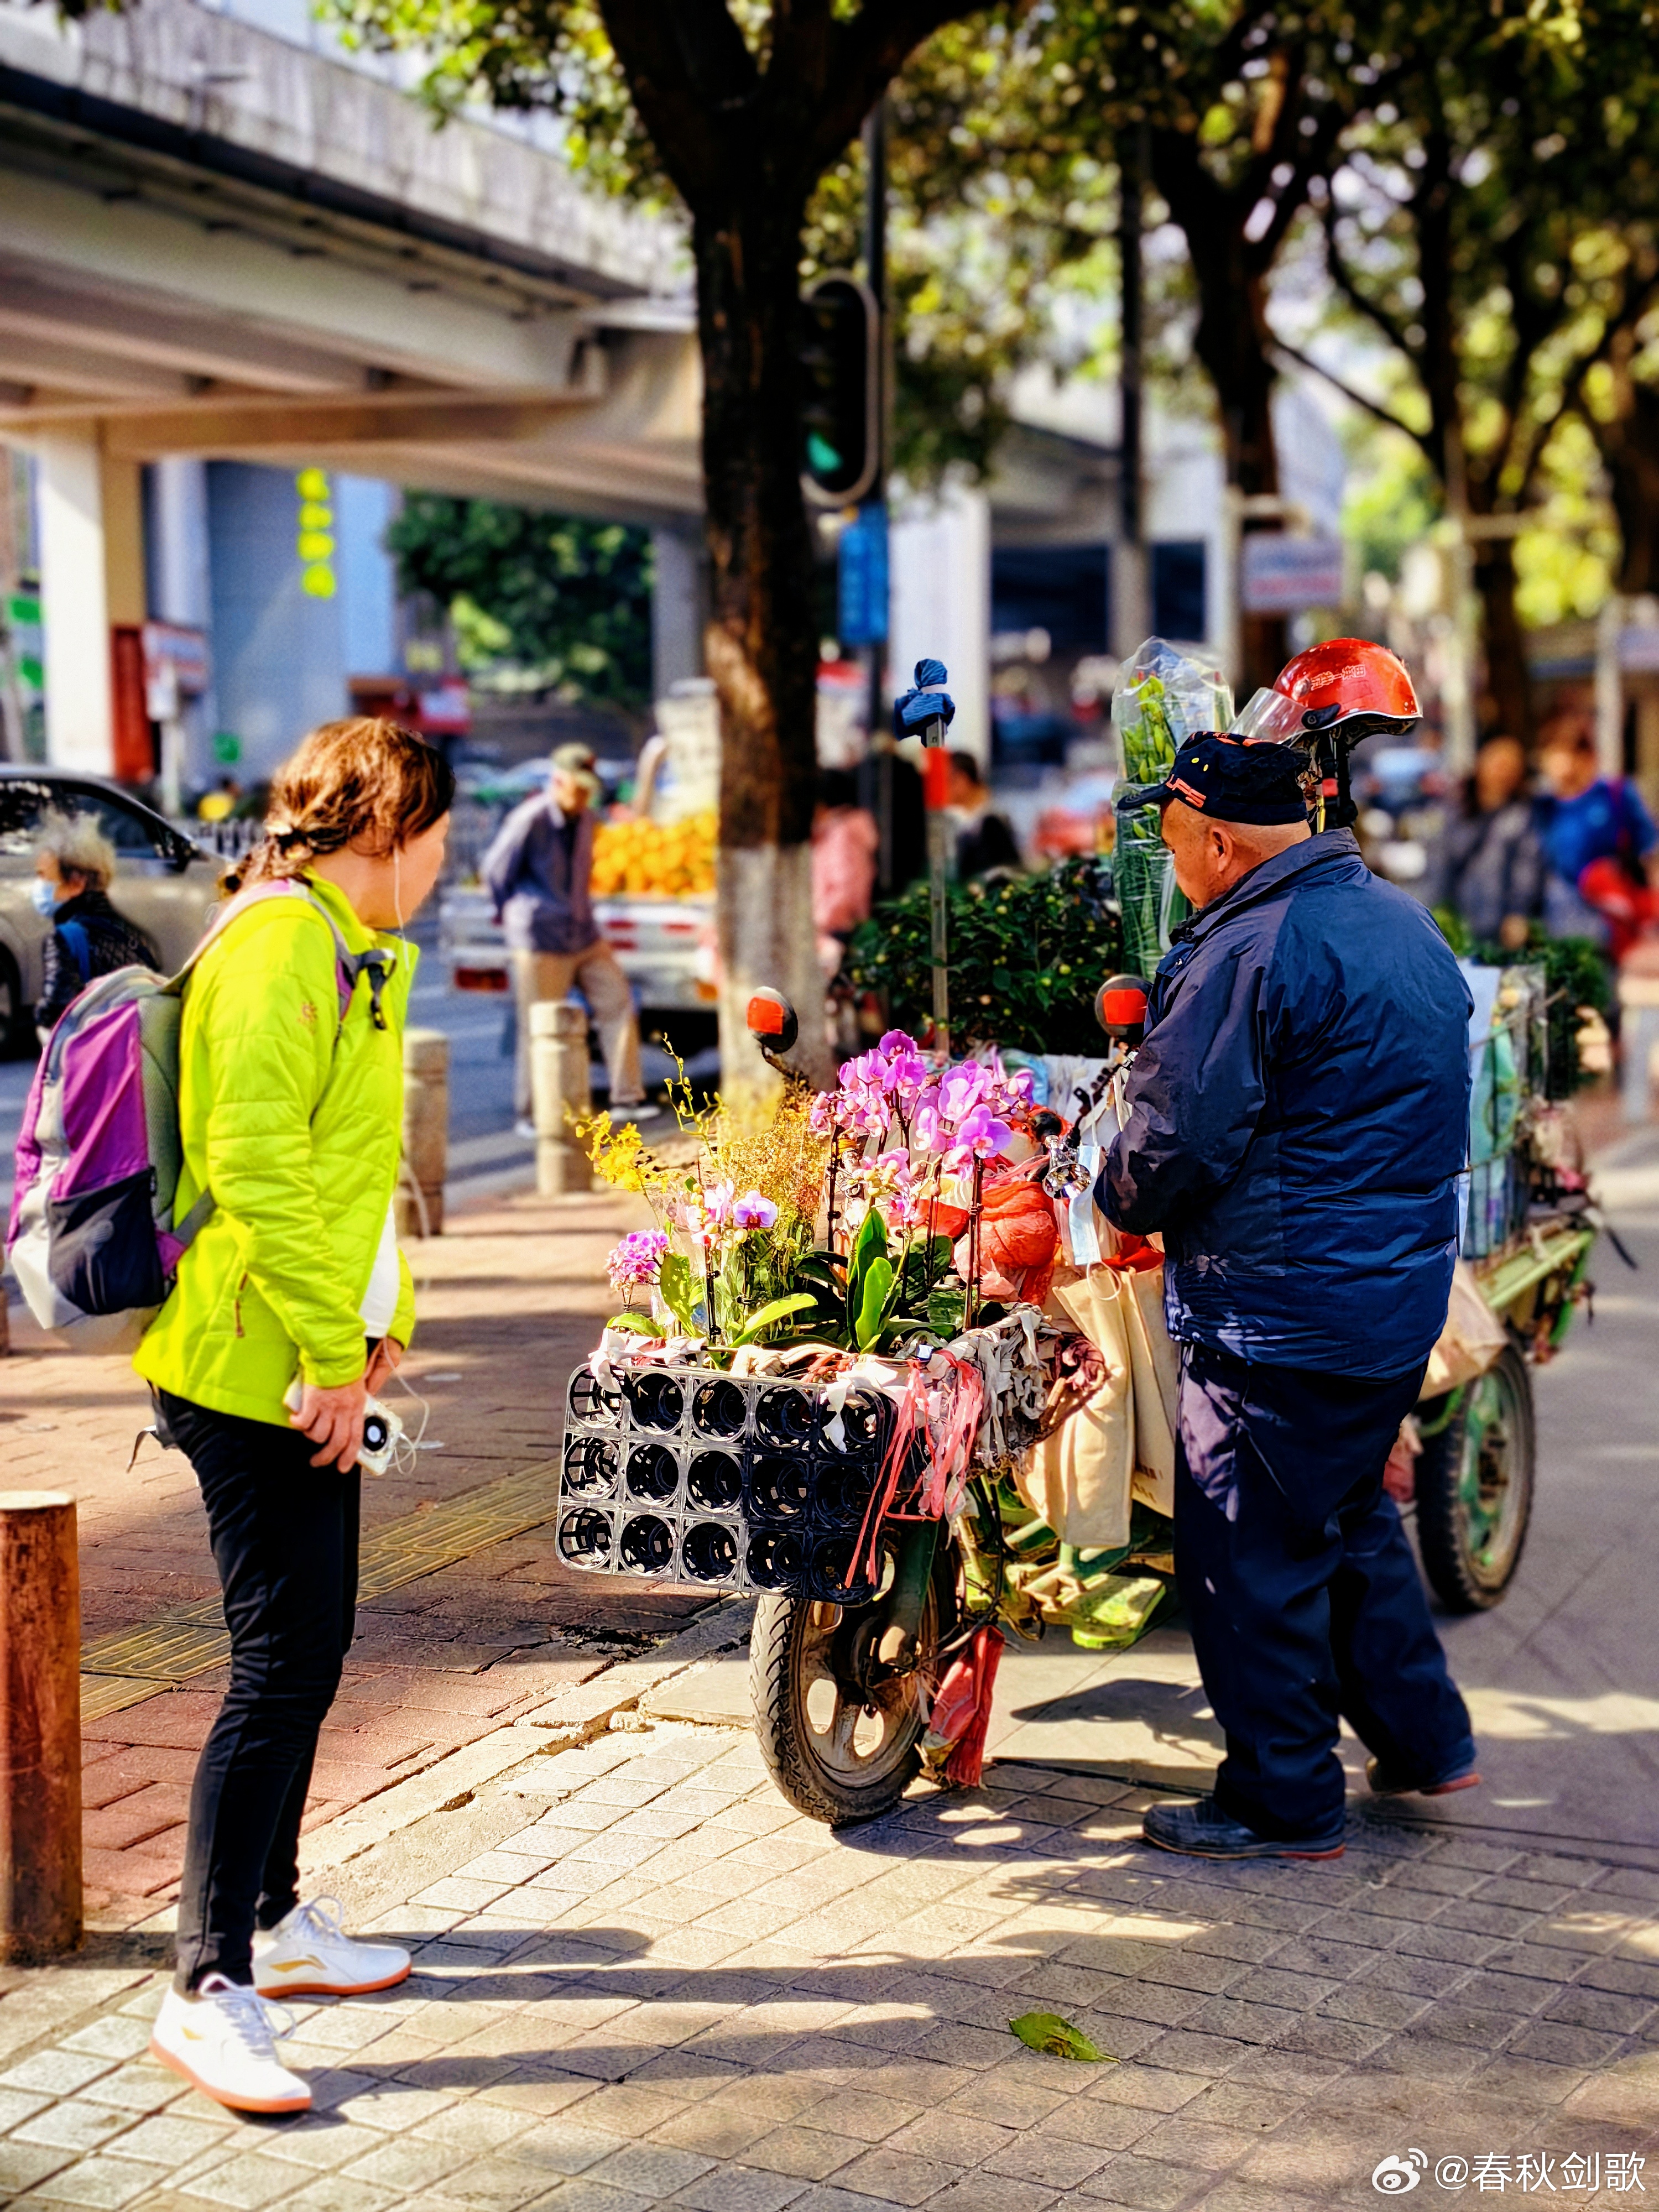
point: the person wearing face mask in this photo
(74, 863)
(291, 1307)
(1297, 1119)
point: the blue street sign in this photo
(861, 615)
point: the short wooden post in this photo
(426, 1133)
(559, 1087)
(39, 1725)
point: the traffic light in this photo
(841, 391)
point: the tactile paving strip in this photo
(123, 1669)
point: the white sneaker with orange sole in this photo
(223, 2041)
(309, 1954)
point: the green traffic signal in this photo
(840, 368)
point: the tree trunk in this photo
(1630, 448)
(761, 643)
(1231, 341)
(1507, 707)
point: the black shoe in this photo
(1385, 1784)
(1203, 1831)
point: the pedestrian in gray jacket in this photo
(538, 870)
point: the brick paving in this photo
(641, 1980)
(510, 1305)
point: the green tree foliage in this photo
(543, 601)
(1486, 223)
(1027, 957)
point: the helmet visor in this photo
(1269, 718)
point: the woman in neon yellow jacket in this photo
(291, 1307)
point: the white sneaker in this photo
(222, 2040)
(639, 1110)
(309, 1954)
(524, 1128)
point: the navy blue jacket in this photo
(1298, 1117)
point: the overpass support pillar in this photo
(92, 604)
(679, 607)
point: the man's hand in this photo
(383, 1362)
(333, 1419)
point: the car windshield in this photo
(24, 801)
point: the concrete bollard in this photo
(558, 1082)
(39, 1725)
(426, 1133)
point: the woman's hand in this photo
(334, 1420)
(383, 1362)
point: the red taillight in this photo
(1122, 1009)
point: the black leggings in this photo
(284, 1537)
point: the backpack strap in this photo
(377, 963)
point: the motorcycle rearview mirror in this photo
(772, 1022)
(1121, 1008)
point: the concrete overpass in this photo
(216, 243)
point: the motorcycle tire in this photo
(1474, 1488)
(839, 1753)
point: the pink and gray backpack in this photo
(93, 1241)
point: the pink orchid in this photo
(962, 1089)
(981, 1134)
(718, 1201)
(752, 1211)
(637, 1260)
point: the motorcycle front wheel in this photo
(840, 1752)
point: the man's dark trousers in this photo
(1301, 1589)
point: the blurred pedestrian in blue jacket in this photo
(1298, 1117)
(539, 871)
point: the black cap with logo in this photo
(1230, 781)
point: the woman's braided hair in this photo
(364, 779)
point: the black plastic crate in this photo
(736, 1482)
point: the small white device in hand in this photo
(382, 1433)
(383, 1430)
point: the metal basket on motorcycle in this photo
(1508, 1067)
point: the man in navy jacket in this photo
(1297, 1116)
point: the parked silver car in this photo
(164, 883)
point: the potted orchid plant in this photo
(888, 1170)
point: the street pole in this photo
(875, 276)
(936, 789)
(1133, 614)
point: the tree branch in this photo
(867, 53)
(1360, 301)
(1372, 407)
(688, 70)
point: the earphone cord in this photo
(407, 1450)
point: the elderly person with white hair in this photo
(74, 862)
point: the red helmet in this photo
(1350, 684)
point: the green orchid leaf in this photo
(869, 1246)
(877, 1287)
(636, 1324)
(680, 1291)
(815, 1268)
(756, 1324)
(1047, 2031)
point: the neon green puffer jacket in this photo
(298, 1138)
